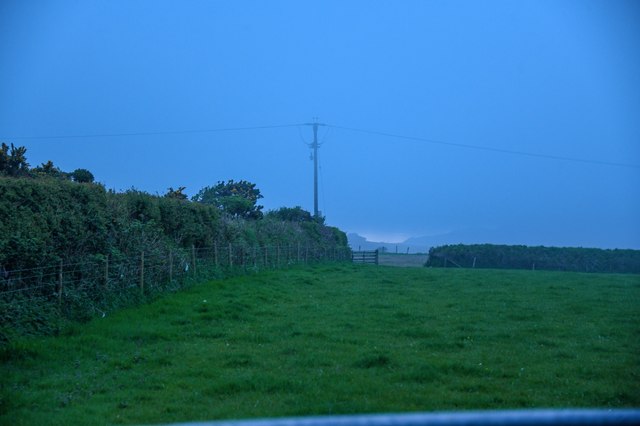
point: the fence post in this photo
(106, 271)
(193, 258)
(377, 253)
(298, 260)
(306, 254)
(266, 256)
(474, 262)
(142, 272)
(278, 256)
(170, 266)
(60, 283)
(215, 254)
(230, 255)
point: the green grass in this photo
(406, 260)
(339, 339)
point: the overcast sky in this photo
(551, 78)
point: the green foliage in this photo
(338, 339)
(295, 214)
(82, 176)
(49, 170)
(547, 258)
(177, 193)
(44, 220)
(71, 250)
(13, 161)
(27, 316)
(49, 221)
(188, 223)
(237, 199)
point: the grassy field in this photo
(404, 260)
(339, 339)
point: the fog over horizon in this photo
(482, 122)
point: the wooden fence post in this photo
(170, 266)
(60, 284)
(142, 272)
(474, 262)
(306, 254)
(106, 271)
(266, 256)
(215, 254)
(230, 255)
(255, 257)
(298, 261)
(193, 258)
(278, 256)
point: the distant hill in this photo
(595, 239)
(358, 242)
(424, 243)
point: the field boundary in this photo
(365, 257)
(89, 288)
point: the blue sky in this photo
(557, 78)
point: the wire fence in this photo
(98, 283)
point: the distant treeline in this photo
(524, 257)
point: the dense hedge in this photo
(47, 222)
(43, 221)
(524, 257)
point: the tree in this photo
(82, 175)
(295, 214)
(178, 194)
(48, 169)
(237, 199)
(14, 162)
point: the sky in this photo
(442, 116)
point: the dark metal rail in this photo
(568, 417)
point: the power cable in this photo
(154, 133)
(302, 137)
(486, 148)
(351, 129)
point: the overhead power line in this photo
(153, 133)
(486, 148)
(351, 129)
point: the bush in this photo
(547, 258)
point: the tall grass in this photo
(339, 339)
